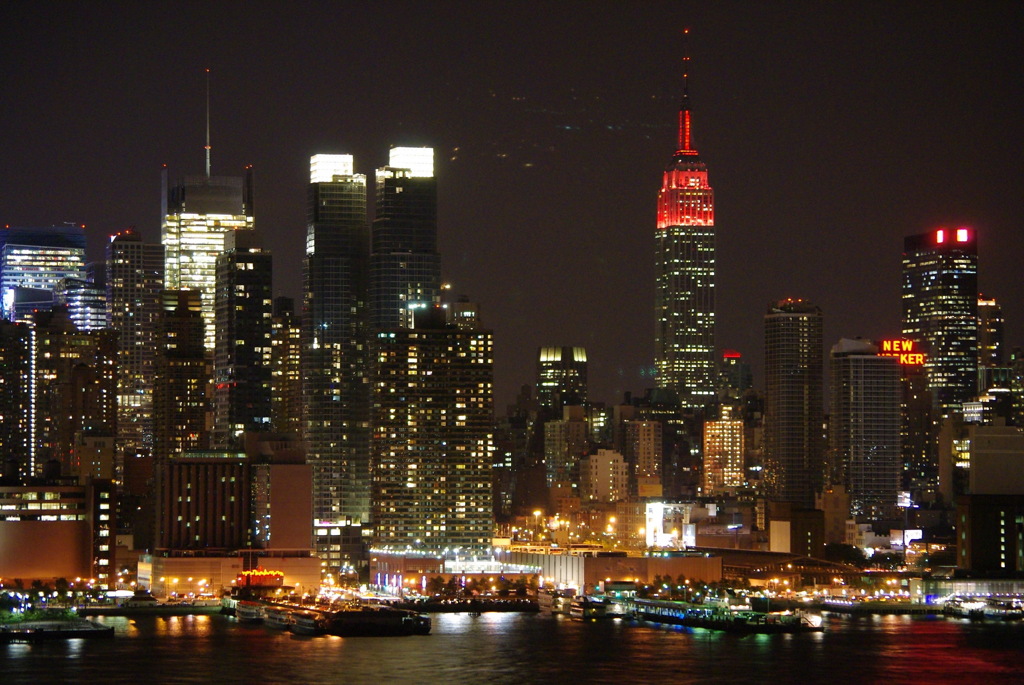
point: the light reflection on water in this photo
(525, 648)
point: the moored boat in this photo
(365, 621)
(278, 617)
(307, 623)
(249, 612)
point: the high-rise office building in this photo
(197, 213)
(241, 361)
(864, 427)
(85, 299)
(723, 453)
(561, 377)
(405, 266)
(33, 261)
(990, 333)
(72, 385)
(181, 373)
(285, 368)
(433, 436)
(135, 279)
(940, 311)
(735, 376)
(643, 449)
(566, 441)
(793, 404)
(334, 358)
(685, 273)
(15, 397)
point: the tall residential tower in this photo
(794, 411)
(405, 266)
(334, 361)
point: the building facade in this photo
(33, 261)
(135, 279)
(864, 428)
(241, 361)
(940, 311)
(405, 265)
(433, 439)
(197, 213)
(181, 373)
(685, 274)
(561, 377)
(794, 410)
(335, 391)
(285, 368)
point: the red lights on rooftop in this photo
(959, 235)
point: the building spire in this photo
(684, 143)
(207, 123)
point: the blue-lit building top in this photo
(33, 261)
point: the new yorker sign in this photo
(904, 350)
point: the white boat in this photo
(249, 612)
(278, 617)
(307, 623)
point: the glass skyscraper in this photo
(196, 214)
(794, 411)
(32, 263)
(940, 311)
(405, 266)
(241, 361)
(685, 274)
(334, 361)
(864, 427)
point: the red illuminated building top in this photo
(686, 198)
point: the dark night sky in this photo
(831, 131)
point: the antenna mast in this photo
(207, 123)
(684, 108)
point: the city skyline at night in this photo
(830, 139)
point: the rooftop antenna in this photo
(684, 107)
(207, 123)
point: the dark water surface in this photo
(495, 649)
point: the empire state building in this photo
(685, 273)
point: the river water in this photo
(499, 648)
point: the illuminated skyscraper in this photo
(685, 273)
(864, 427)
(793, 404)
(33, 261)
(433, 436)
(135, 279)
(561, 377)
(285, 368)
(196, 214)
(990, 332)
(334, 359)
(405, 266)
(181, 373)
(940, 311)
(723, 453)
(241, 362)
